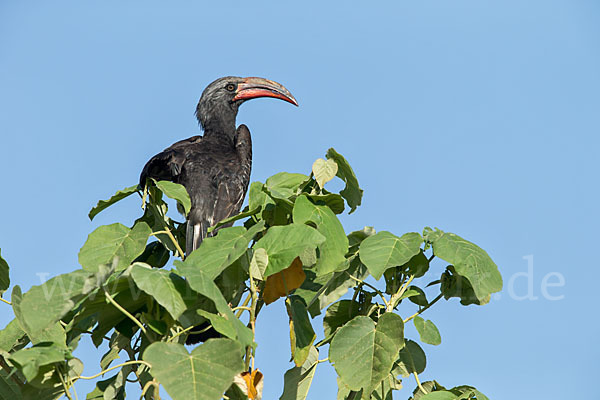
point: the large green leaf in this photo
(338, 314)
(427, 331)
(218, 252)
(412, 359)
(167, 288)
(42, 306)
(352, 192)
(9, 389)
(204, 374)
(284, 243)
(11, 336)
(331, 200)
(363, 353)
(103, 204)
(324, 171)
(469, 261)
(203, 284)
(4, 278)
(384, 250)
(177, 192)
(257, 198)
(31, 359)
(335, 246)
(114, 242)
(439, 395)
(296, 381)
(284, 184)
(304, 334)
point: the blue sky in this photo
(479, 117)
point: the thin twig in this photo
(168, 231)
(5, 301)
(439, 296)
(64, 385)
(124, 311)
(379, 292)
(114, 367)
(398, 295)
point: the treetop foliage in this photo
(138, 297)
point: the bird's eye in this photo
(230, 87)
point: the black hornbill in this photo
(215, 167)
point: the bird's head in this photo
(221, 99)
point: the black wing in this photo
(168, 164)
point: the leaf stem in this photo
(64, 385)
(439, 296)
(115, 367)
(419, 383)
(168, 231)
(6, 301)
(395, 298)
(379, 292)
(124, 311)
(253, 297)
(242, 308)
(244, 304)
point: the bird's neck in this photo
(221, 129)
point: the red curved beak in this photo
(252, 88)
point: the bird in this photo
(214, 167)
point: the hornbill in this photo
(214, 168)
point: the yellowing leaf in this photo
(282, 283)
(250, 383)
(324, 171)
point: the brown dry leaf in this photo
(250, 383)
(280, 284)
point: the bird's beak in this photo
(252, 88)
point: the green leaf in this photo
(469, 261)
(417, 266)
(363, 354)
(304, 334)
(204, 374)
(419, 298)
(284, 243)
(283, 185)
(219, 252)
(115, 241)
(155, 254)
(338, 314)
(11, 336)
(356, 238)
(412, 359)
(464, 392)
(319, 292)
(44, 305)
(221, 324)
(324, 171)
(257, 198)
(9, 390)
(335, 246)
(331, 200)
(31, 359)
(177, 192)
(384, 250)
(234, 218)
(258, 264)
(352, 192)
(203, 284)
(440, 395)
(166, 287)
(104, 204)
(297, 381)
(4, 278)
(427, 331)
